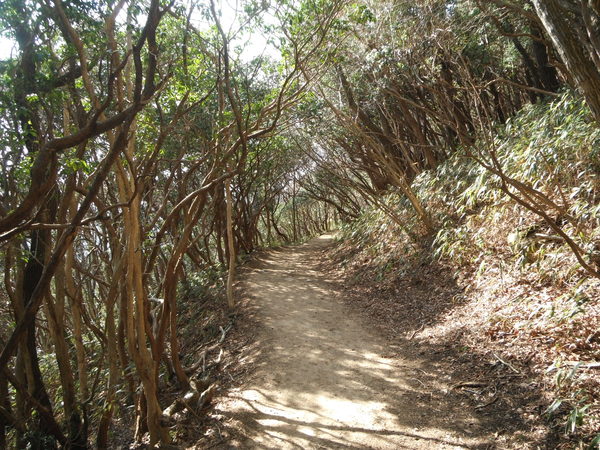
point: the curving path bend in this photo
(325, 382)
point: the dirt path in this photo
(325, 381)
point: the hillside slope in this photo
(496, 282)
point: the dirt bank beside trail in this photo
(323, 379)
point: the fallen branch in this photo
(193, 401)
(469, 384)
(485, 405)
(546, 237)
(507, 364)
(202, 359)
(411, 336)
(582, 365)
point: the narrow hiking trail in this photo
(323, 380)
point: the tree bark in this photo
(585, 73)
(231, 245)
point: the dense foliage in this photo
(142, 146)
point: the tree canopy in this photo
(145, 141)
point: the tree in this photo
(580, 51)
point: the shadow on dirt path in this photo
(325, 381)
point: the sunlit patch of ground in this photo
(325, 379)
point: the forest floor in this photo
(320, 373)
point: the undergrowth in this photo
(538, 302)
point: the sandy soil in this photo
(324, 380)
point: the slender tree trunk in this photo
(294, 218)
(585, 73)
(5, 405)
(102, 440)
(230, 243)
